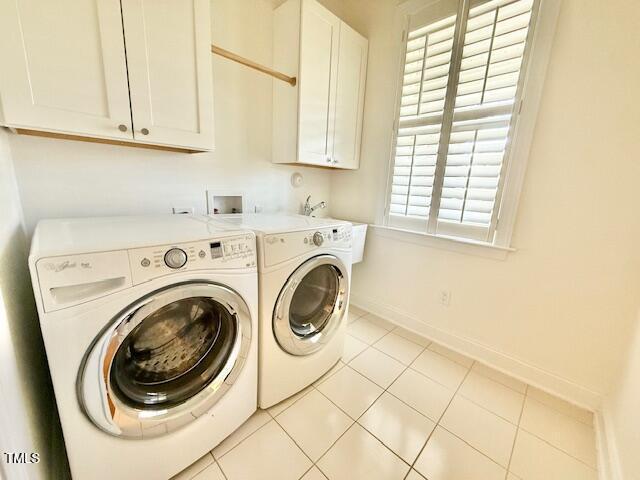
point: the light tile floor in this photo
(400, 407)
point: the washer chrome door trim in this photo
(290, 341)
(95, 391)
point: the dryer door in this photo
(165, 360)
(311, 305)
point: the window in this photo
(460, 98)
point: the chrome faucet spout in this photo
(308, 209)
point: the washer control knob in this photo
(175, 258)
(318, 239)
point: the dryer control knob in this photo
(175, 258)
(318, 239)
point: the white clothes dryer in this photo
(304, 268)
(150, 329)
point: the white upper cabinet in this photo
(319, 40)
(352, 72)
(319, 121)
(169, 64)
(65, 69)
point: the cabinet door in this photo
(170, 78)
(63, 67)
(319, 37)
(352, 72)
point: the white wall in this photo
(61, 178)
(560, 308)
(28, 418)
(622, 416)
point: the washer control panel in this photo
(225, 253)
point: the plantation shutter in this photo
(476, 116)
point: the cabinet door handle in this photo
(328, 159)
(122, 127)
(145, 131)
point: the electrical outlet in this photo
(445, 297)
(183, 210)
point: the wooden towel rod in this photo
(261, 68)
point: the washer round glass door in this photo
(165, 360)
(311, 305)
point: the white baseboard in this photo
(609, 467)
(512, 366)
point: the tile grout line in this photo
(466, 442)
(559, 449)
(356, 421)
(515, 438)
(313, 387)
(439, 420)
(386, 390)
(557, 410)
(289, 406)
(499, 382)
(220, 467)
(433, 379)
(422, 349)
(471, 400)
(547, 441)
(296, 444)
(451, 359)
(241, 441)
(199, 471)
(273, 417)
(388, 356)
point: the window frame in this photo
(525, 112)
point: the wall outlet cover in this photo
(445, 297)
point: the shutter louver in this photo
(427, 64)
(495, 40)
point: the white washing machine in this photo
(304, 267)
(150, 329)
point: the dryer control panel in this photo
(284, 246)
(225, 253)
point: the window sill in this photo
(453, 244)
